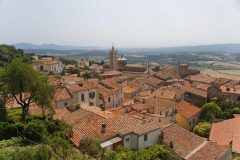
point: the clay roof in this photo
(140, 106)
(186, 109)
(201, 78)
(140, 129)
(62, 94)
(160, 104)
(183, 141)
(153, 80)
(190, 89)
(93, 128)
(111, 73)
(165, 94)
(221, 81)
(222, 133)
(210, 151)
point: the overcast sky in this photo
(127, 23)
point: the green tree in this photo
(202, 129)
(43, 152)
(155, 152)
(35, 130)
(210, 111)
(3, 112)
(8, 53)
(229, 108)
(90, 146)
(26, 86)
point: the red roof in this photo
(93, 128)
(183, 141)
(186, 109)
(62, 94)
(210, 151)
(225, 132)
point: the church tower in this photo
(113, 58)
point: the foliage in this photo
(229, 108)
(35, 131)
(3, 112)
(202, 129)
(9, 130)
(61, 148)
(209, 111)
(35, 117)
(14, 115)
(75, 70)
(67, 61)
(155, 152)
(90, 146)
(236, 158)
(26, 86)
(43, 153)
(10, 142)
(8, 53)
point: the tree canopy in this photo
(8, 53)
(210, 111)
(26, 85)
(202, 129)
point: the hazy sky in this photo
(127, 23)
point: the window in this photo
(193, 120)
(109, 99)
(145, 137)
(166, 114)
(92, 95)
(190, 123)
(127, 139)
(65, 104)
(82, 97)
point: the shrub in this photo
(14, 115)
(9, 131)
(43, 153)
(202, 129)
(90, 146)
(35, 130)
(26, 153)
(10, 142)
(35, 117)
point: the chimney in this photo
(171, 144)
(104, 127)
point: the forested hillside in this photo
(8, 53)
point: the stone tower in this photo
(113, 58)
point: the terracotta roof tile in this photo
(210, 151)
(160, 104)
(140, 129)
(186, 109)
(93, 128)
(183, 141)
(62, 94)
(225, 132)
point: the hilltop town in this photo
(137, 106)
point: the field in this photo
(229, 74)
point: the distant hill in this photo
(26, 46)
(46, 48)
(206, 48)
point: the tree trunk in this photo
(24, 113)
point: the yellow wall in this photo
(181, 121)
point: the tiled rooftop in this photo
(183, 141)
(186, 109)
(222, 133)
